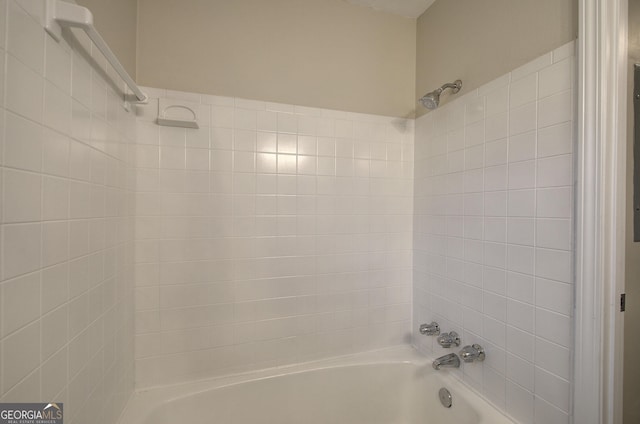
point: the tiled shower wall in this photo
(66, 291)
(493, 234)
(273, 234)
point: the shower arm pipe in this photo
(60, 14)
(455, 86)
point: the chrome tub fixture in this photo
(432, 329)
(450, 360)
(432, 100)
(472, 353)
(449, 339)
(445, 397)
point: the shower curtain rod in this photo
(61, 13)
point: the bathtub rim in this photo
(143, 401)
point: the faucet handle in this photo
(432, 329)
(472, 353)
(449, 339)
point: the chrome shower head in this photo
(432, 100)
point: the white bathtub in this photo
(391, 386)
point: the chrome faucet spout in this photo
(450, 360)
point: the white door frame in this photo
(600, 211)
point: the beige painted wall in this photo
(327, 53)
(477, 41)
(320, 53)
(631, 397)
(116, 21)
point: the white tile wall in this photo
(66, 269)
(493, 234)
(273, 234)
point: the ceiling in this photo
(407, 8)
